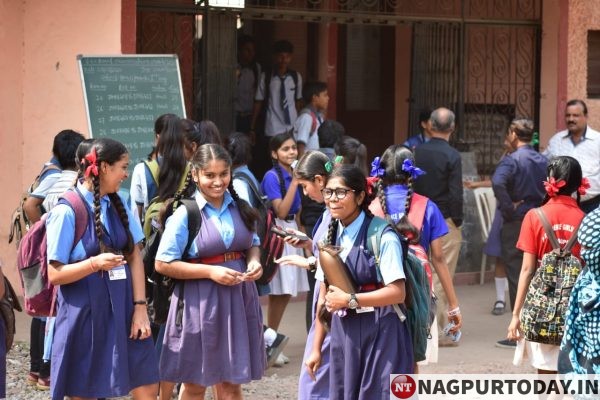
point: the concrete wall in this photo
(549, 70)
(41, 90)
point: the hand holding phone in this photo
(279, 231)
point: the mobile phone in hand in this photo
(281, 232)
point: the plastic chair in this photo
(486, 206)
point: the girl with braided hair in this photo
(218, 337)
(367, 336)
(395, 173)
(281, 188)
(102, 345)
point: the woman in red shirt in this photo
(561, 207)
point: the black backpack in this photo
(271, 245)
(159, 288)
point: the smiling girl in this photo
(218, 339)
(281, 188)
(366, 335)
(102, 345)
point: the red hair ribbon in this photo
(93, 167)
(552, 186)
(371, 184)
(585, 185)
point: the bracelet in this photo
(453, 312)
(92, 266)
(140, 303)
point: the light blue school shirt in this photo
(175, 237)
(390, 253)
(60, 228)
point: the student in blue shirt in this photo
(217, 339)
(102, 345)
(396, 173)
(281, 188)
(366, 332)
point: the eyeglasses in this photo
(340, 193)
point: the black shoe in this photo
(506, 344)
(499, 308)
(276, 348)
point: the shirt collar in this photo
(396, 189)
(583, 137)
(227, 200)
(89, 196)
(352, 229)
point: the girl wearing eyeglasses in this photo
(367, 335)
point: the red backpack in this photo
(418, 205)
(39, 294)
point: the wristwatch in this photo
(353, 303)
(312, 263)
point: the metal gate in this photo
(487, 73)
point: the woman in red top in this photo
(561, 207)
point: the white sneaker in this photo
(284, 358)
(279, 362)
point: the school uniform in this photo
(564, 215)
(368, 346)
(434, 227)
(288, 279)
(220, 338)
(281, 88)
(318, 389)
(92, 355)
(138, 192)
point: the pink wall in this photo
(584, 15)
(40, 41)
(549, 70)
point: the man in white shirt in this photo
(582, 143)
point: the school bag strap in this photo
(552, 236)
(416, 214)
(152, 170)
(377, 227)
(194, 224)
(81, 213)
(255, 190)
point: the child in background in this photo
(281, 188)
(353, 152)
(311, 117)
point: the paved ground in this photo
(476, 353)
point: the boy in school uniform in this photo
(279, 90)
(248, 74)
(311, 117)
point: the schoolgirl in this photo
(395, 173)
(352, 152)
(368, 338)
(312, 172)
(281, 188)
(217, 339)
(138, 191)
(561, 207)
(102, 345)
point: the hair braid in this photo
(331, 232)
(404, 225)
(116, 201)
(282, 188)
(97, 211)
(249, 215)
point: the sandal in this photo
(499, 307)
